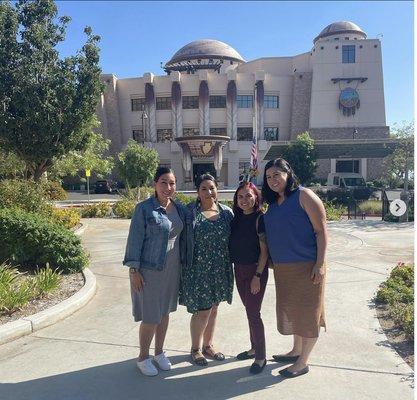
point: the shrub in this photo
(53, 191)
(14, 297)
(371, 207)
(184, 199)
(124, 208)
(333, 212)
(33, 241)
(26, 195)
(46, 280)
(68, 217)
(96, 210)
(137, 194)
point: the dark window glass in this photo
(271, 102)
(164, 135)
(244, 101)
(189, 102)
(138, 104)
(347, 166)
(218, 131)
(138, 135)
(245, 134)
(163, 103)
(271, 134)
(190, 132)
(217, 101)
(348, 54)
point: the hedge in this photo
(32, 240)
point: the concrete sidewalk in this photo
(91, 355)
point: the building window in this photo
(138, 135)
(347, 166)
(163, 103)
(244, 101)
(217, 101)
(348, 54)
(245, 134)
(190, 132)
(138, 104)
(271, 101)
(271, 134)
(189, 102)
(164, 135)
(218, 131)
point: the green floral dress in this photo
(209, 280)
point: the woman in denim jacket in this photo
(155, 253)
(208, 278)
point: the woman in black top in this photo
(249, 253)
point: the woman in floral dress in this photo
(208, 278)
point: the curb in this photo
(80, 230)
(32, 323)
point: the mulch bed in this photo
(69, 285)
(403, 345)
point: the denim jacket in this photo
(191, 221)
(147, 242)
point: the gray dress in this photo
(159, 295)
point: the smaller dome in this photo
(340, 27)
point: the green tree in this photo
(302, 157)
(136, 164)
(402, 159)
(47, 103)
(92, 157)
(11, 166)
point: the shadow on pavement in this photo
(123, 381)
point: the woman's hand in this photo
(318, 273)
(136, 280)
(255, 285)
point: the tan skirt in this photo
(300, 303)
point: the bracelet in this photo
(258, 274)
(132, 270)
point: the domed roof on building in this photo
(203, 49)
(340, 27)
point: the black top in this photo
(244, 242)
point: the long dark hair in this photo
(292, 181)
(205, 177)
(258, 198)
(162, 171)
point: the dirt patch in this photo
(396, 337)
(69, 285)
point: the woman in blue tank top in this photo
(295, 226)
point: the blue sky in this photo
(137, 35)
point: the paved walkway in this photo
(91, 355)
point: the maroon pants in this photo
(252, 303)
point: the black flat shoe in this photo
(287, 374)
(245, 356)
(285, 359)
(256, 368)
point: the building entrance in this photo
(200, 169)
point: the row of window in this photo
(243, 134)
(192, 102)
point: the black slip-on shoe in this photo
(256, 368)
(284, 359)
(287, 374)
(245, 356)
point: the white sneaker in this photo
(163, 361)
(146, 367)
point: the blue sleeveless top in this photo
(289, 232)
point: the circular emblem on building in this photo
(349, 101)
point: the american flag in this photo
(254, 155)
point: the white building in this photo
(202, 114)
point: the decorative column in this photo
(187, 164)
(218, 159)
(231, 105)
(259, 99)
(176, 103)
(150, 108)
(204, 108)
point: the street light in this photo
(355, 132)
(144, 117)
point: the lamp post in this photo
(355, 132)
(144, 117)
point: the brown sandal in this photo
(215, 356)
(201, 361)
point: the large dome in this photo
(203, 49)
(339, 28)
